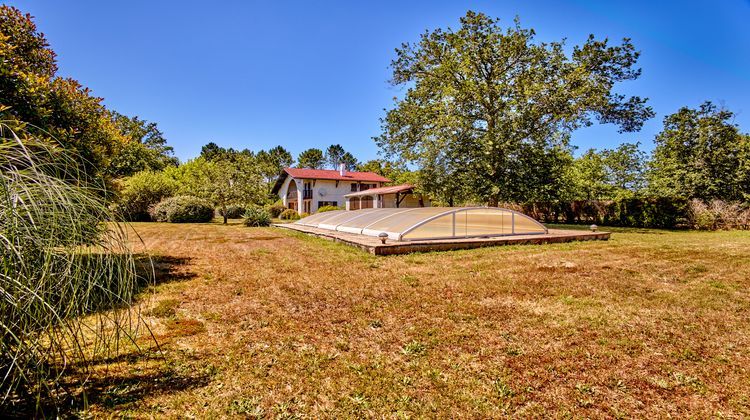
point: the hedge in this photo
(646, 212)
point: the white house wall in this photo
(331, 192)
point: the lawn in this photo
(267, 322)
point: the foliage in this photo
(276, 209)
(61, 106)
(183, 209)
(257, 217)
(488, 112)
(145, 148)
(271, 163)
(324, 209)
(653, 212)
(335, 155)
(232, 179)
(58, 262)
(701, 154)
(211, 150)
(311, 158)
(140, 192)
(232, 212)
(289, 214)
(397, 172)
(717, 214)
(608, 174)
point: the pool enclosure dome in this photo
(425, 223)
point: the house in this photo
(395, 196)
(306, 190)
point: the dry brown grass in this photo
(265, 322)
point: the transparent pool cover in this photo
(422, 223)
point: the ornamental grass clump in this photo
(58, 262)
(257, 217)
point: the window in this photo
(328, 203)
(354, 187)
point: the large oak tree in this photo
(488, 111)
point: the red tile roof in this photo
(304, 173)
(382, 190)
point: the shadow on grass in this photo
(108, 389)
(114, 390)
(159, 269)
(122, 391)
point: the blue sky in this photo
(308, 74)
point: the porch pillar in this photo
(299, 196)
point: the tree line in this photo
(488, 113)
(486, 118)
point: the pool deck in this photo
(373, 245)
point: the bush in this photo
(289, 214)
(183, 209)
(649, 212)
(257, 217)
(233, 212)
(276, 209)
(718, 214)
(328, 208)
(142, 191)
(303, 215)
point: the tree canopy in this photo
(61, 107)
(223, 181)
(608, 174)
(271, 163)
(311, 158)
(105, 143)
(701, 154)
(488, 111)
(145, 148)
(335, 155)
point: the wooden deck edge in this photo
(409, 247)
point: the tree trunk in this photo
(224, 210)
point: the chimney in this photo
(342, 169)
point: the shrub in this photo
(303, 215)
(142, 191)
(183, 209)
(717, 214)
(652, 212)
(58, 262)
(328, 208)
(257, 217)
(289, 214)
(233, 212)
(276, 209)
